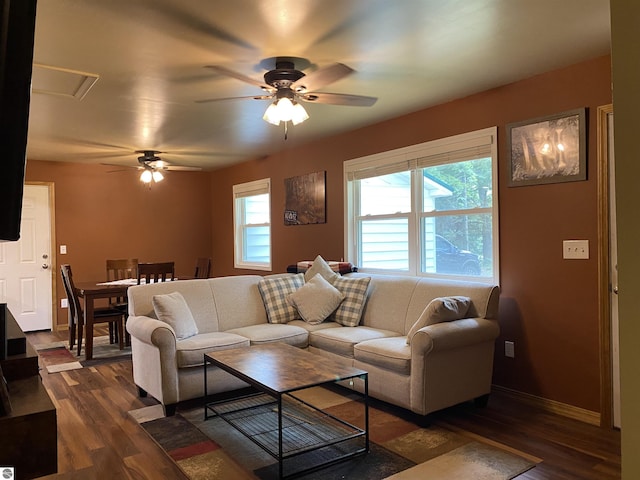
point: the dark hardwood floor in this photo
(98, 440)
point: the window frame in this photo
(414, 158)
(242, 191)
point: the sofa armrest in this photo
(154, 358)
(455, 334)
(152, 331)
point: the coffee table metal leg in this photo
(366, 411)
(280, 437)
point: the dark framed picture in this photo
(305, 199)
(548, 150)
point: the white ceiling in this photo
(149, 57)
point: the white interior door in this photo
(25, 266)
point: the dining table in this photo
(92, 291)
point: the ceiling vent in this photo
(61, 81)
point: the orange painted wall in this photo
(100, 215)
(548, 305)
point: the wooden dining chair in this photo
(120, 269)
(76, 316)
(203, 268)
(156, 272)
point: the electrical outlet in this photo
(64, 303)
(509, 349)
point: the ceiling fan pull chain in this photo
(286, 129)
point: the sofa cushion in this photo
(341, 340)
(190, 351)
(320, 267)
(316, 299)
(312, 328)
(172, 308)
(440, 309)
(391, 353)
(269, 332)
(355, 295)
(274, 291)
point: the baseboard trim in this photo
(552, 406)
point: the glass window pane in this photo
(256, 209)
(386, 194)
(385, 244)
(256, 244)
(458, 245)
(457, 186)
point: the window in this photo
(252, 221)
(429, 209)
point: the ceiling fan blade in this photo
(239, 76)
(339, 99)
(254, 97)
(128, 167)
(321, 77)
(181, 168)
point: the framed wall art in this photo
(305, 199)
(548, 150)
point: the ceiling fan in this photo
(288, 86)
(152, 166)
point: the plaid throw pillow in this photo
(274, 293)
(355, 295)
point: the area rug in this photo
(57, 357)
(399, 448)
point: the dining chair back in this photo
(121, 269)
(203, 268)
(76, 316)
(156, 272)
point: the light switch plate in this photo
(575, 249)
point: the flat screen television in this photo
(17, 29)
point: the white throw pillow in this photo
(172, 308)
(440, 309)
(316, 300)
(320, 267)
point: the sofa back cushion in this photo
(238, 301)
(197, 294)
(484, 298)
(387, 300)
(395, 302)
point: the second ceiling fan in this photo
(288, 86)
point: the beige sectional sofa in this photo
(444, 363)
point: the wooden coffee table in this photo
(275, 418)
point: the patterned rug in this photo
(56, 357)
(399, 448)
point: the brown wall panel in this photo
(102, 214)
(549, 305)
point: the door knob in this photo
(45, 266)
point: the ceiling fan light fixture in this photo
(284, 110)
(146, 176)
(271, 115)
(157, 176)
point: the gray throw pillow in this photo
(440, 309)
(320, 267)
(316, 300)
(172, 308)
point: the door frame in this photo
(53, 256)
(604, 277)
